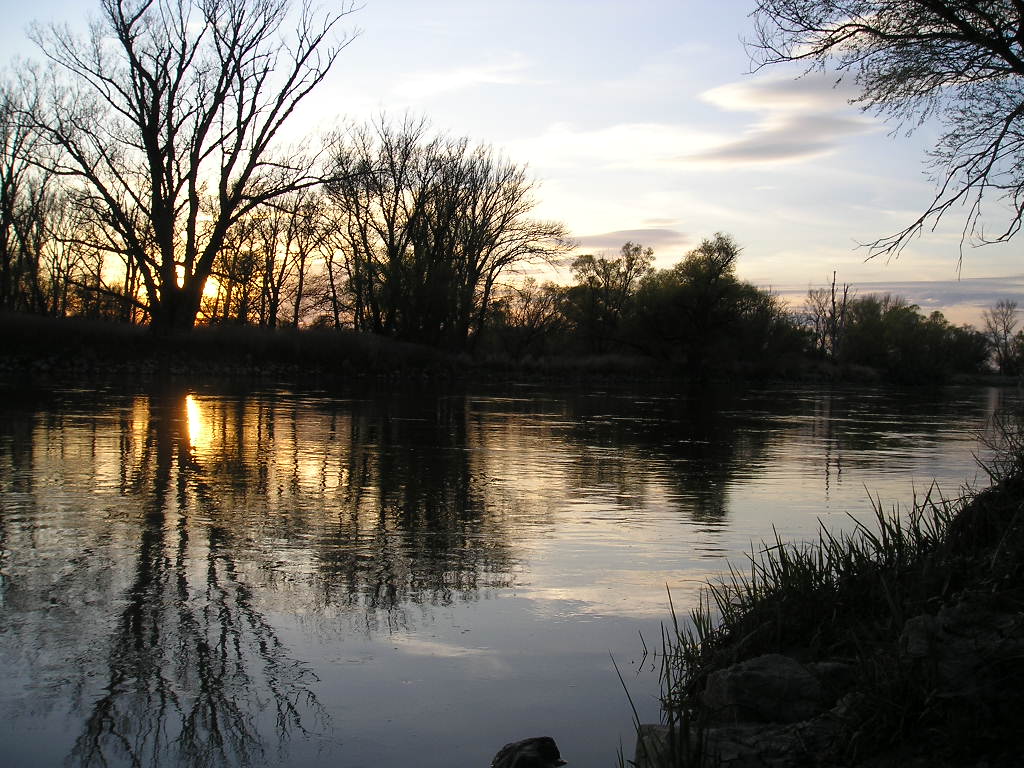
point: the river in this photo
(194, 576)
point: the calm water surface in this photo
(189, 577)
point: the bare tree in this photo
(960, 61)
(532, 313)
(1000, 324)
(27, 201)
(828, 313)
(166, 119)
(376, 196)
(306, 238)
(428, 226)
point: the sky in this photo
(642, 121)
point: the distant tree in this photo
(604, 287)
(530, 313)
(711, 301)
(963, 348)
(1000, 324)
(826, 312)
(765, 335)
(700, 315)
(164, 121)
(960, 62)
(873, 322)
(887, 333)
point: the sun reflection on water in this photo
(198, 431)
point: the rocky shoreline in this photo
(930, 675)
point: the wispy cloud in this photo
(427, 84)
(798, 120)
(960, 300)
(625, 146)
(653, 237)
(811, 93)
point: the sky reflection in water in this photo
(192, 578)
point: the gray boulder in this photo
(767, 689)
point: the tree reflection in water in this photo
(156, 550)
(202, 521)
(193, 664)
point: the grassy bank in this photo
(35, 347)
(59, 347)
(920, 617)
(76, 349)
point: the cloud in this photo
(424, 647)
(960, 300)
(632, 146)
(787, 138)
(794, 120)
(652, 237)
(424, 85)
(800, 119)
(810, 93)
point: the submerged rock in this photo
(538, 752)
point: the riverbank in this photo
(79, 349)
(901, 644)
(59, 350)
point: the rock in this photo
(767, 689)
(836, 679)
(653, 746)
(918, 637)
(770, 746)
(538, 752)
(967, 648)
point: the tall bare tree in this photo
(959, 61)
(27, 202)
(429, 225)
(166, 119)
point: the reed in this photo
(847, 596)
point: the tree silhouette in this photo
(961, 61)
(427, 226)
(165, 121)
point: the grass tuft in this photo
(848, 596)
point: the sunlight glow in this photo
(211, 287)
(198, 433)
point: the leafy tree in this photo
(700, 315)
(887, 333)
(964, 348)
(959, 61)
(164, 121)
(875, 320)
(603, 290)
(712, 296)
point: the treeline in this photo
(696, 316)
(142, 180)
(405, 235)
(145, 178)
(699, 317)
